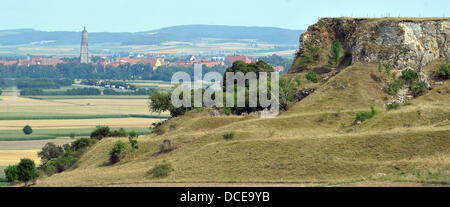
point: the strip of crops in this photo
(106, 116)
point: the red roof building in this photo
(229, 60)
(8, 62)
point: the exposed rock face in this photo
(404, 42)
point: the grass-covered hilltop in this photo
(371, 107)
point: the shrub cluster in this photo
(161, 170)
(132, 138)
(25, 171)
(312, 76)
(409, 75)
(102, 132)
(392, 106)
(443, 71)
(67, 155)
(395, 86)
(228, 136)
(362, 116)
(117, 152)
(418, 88)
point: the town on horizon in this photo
(155, 60)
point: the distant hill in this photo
(186, 33)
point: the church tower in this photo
(84, 54)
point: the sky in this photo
(144, 15)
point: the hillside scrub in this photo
(393, 87)
(228, 136)
(67, 158)
(117, 152)
(132, 138)
(312, 76)
(335, 53)
(161, 170)
(392, 106)
(363, 116)
(443, 71)
(288, 91)
(409, 75)
(102, 132)
(50, 151)
(418, 88)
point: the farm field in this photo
(63, 105)
(56, 118)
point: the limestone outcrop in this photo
(405, 42)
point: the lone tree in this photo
(27, 130)
(335, 53)
(27, 171)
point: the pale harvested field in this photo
(77, 123)
(81, 106)
(10, 157)
(30, 144)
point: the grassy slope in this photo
(313, 142)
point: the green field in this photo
(87, 97)
(46, 116)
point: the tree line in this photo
(74, 70)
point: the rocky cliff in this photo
(412, 42)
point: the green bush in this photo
(82, 143)
(27, 171)
(388, 68)
(161, 170)
(395, 86)
(392, 106)
(418, 88)
(59, 164)
(443, 71)
(132, 138)
(312, 76)
(118, 133)
(228, 136)
(11, 173)
(362, 116)
(100, 133)
(27, 130)
(409, 75)
(116, 153)
(50, 151)
(306, 58)
(335, 53)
